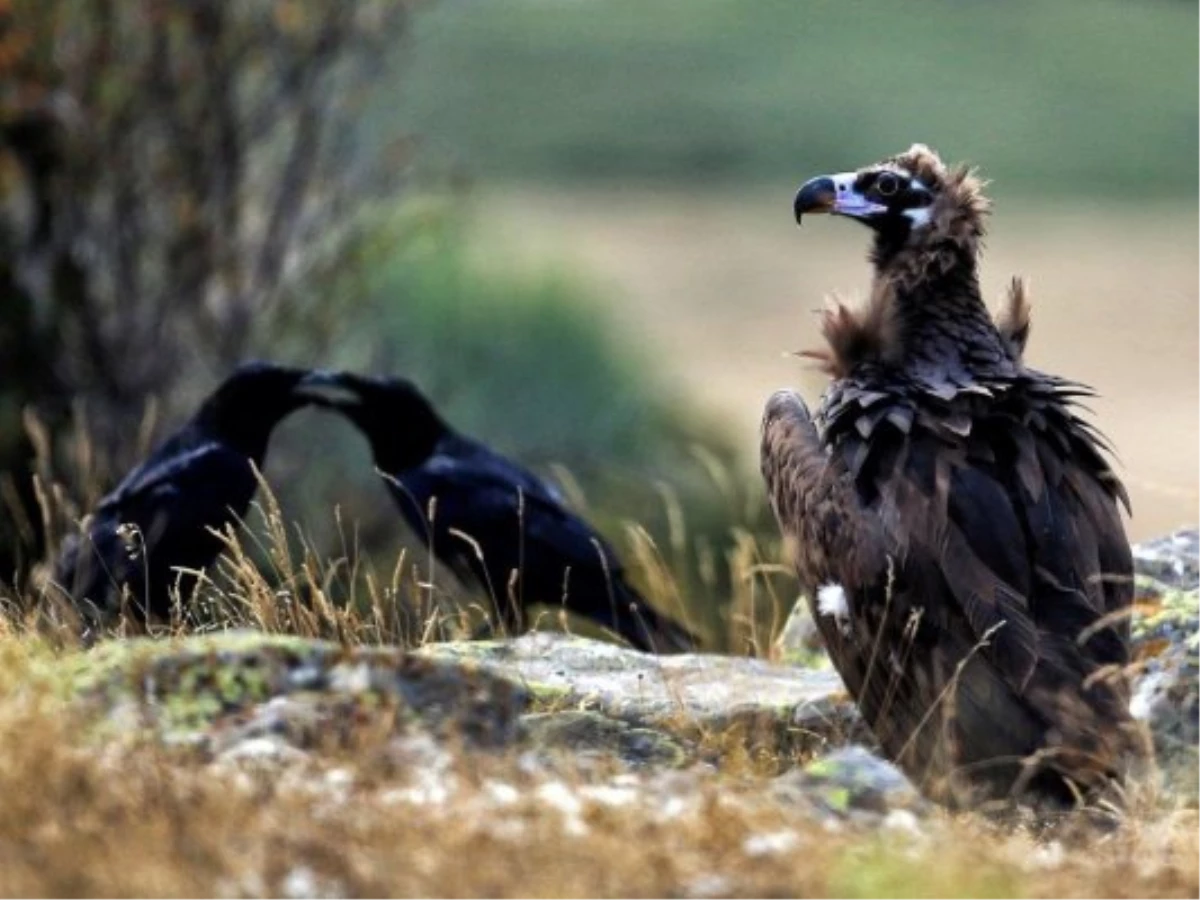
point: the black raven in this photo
(157, 520)
(492, 521)
(952, 518)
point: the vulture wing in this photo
(979, 552)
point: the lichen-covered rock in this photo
(583, 733)
(799, 642)
(1173, 560)
(552, 692)
(855, 784)
(199, 689)
(1167, 691)
(781, 709)
(273, 700)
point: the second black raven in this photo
(157, 520)
(492, 521)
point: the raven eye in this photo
(887, 184)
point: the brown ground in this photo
(721, 287)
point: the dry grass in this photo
(373, 813)
(275, 578)
(380, 818)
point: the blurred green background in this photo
(1068, 98)
(582, 246)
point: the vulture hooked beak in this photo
(835, 194)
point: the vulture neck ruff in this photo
(926, 316)
(928, 299)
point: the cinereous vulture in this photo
(951, 517)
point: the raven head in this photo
(402, 426)
(248, 404)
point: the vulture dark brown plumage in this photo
(951, 518)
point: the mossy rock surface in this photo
(778, 709)
(852, 782)
(1166, 647)
(591, 733)
(193, 689)
(542, 690)
(1172, 560)
(1166, 635)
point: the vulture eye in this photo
(887, 184)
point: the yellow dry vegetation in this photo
(365, 813)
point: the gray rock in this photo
(579, 732)
(1173, 560)
(1167, 693)
(784, 709)
(552, 691)
(853, 783)
(799, 641)
(213, 691)
(1166, 638)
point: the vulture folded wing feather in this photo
(901, 417)
(963, 519)
(1115, 560)
(1069, 596)
(986, 565)
(1028, 466)
(814, 499)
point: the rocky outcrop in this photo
(564, 703)
(1172, 560)
(1166, 634)
(542, 689)
(778, 709)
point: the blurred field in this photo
(654, 148)
(1065, 97)
(719, 286)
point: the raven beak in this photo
(835, 194)
(325, 387)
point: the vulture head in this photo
(928, 219)
(908, 200)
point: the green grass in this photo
(523, 357)
(527, 357)
(876, 870)
(1092, 98)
